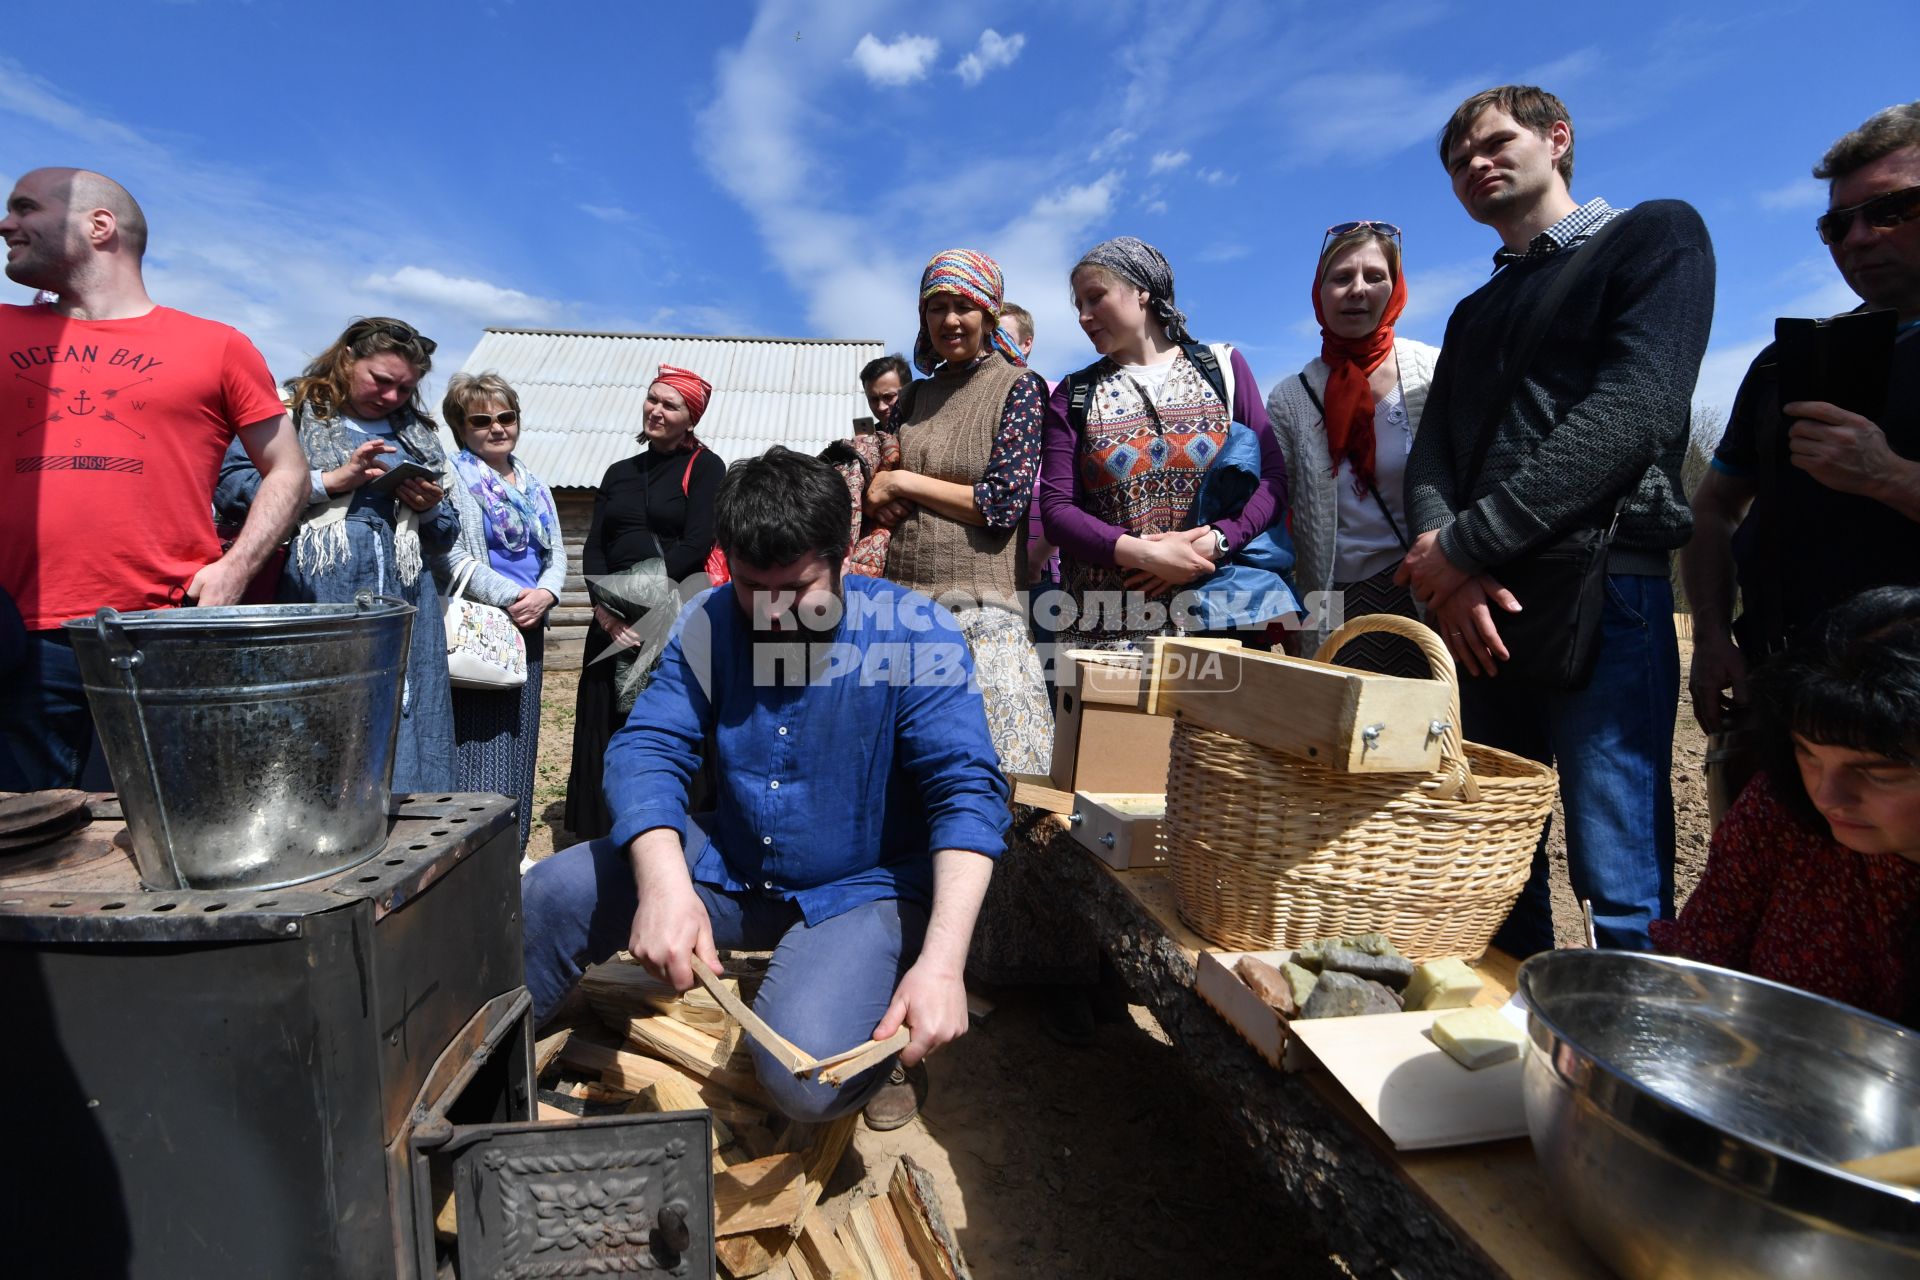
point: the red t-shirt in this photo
(1793, 905)
(111, 433)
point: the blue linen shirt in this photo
(836, 783)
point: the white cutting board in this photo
(1409, 1086)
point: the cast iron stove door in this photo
(619, 1196)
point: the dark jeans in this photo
(1613, 744)
(46, 726)
(827, 986)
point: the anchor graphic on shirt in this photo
(79, 406)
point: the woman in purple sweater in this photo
(1116, 489)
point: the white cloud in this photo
(493, 303)
(607, 212)
(993, 51)
(1224, 253)
(1432, 292)
(892, 65)
(853, 263)
(263, 258)
(1153, 206)
(1110, 146)
(1166, 161)
(1801, 193)
(1216, 177)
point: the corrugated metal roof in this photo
(581, 394)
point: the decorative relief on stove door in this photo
(550, 1213)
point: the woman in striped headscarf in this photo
(969, 437)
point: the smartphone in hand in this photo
(1846, 360)
(400, 474)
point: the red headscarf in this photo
(1349, 362)
(693, 388)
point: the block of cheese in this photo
(1477, 1038)
(1442, 984)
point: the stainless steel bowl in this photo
(1690, 1119)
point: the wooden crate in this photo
(1103, 738)
(1122, 830)
(1350, 720)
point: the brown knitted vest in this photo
(949, 436)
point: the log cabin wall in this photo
(574, 614)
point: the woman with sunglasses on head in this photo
(1129, 443)
(1346, 423)
(1813, 877)
(510, 534)
(358, 412)
(656, 505)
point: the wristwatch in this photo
(1219, 546)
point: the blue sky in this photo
(786, 167)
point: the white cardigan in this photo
(488, 585)
(1302, 433)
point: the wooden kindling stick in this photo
(833, 1071)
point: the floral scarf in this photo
(515, 516)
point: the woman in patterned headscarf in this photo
(1123, 467)
(656, 505)
(969, 435)
(969, 438)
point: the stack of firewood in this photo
(684, 1053)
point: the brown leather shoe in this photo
(898, 1100)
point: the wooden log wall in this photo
(574, 614)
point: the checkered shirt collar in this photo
(1564, 234)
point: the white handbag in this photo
(484, 649)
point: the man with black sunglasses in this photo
(1807, 504)
(1544, 494)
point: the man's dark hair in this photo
(1884, 133)
(1851, 679)
(774, 509)
(892, 362)
(1531, 108)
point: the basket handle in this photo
(1440, 661)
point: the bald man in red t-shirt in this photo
(114, 413)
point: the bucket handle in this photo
(125, 657)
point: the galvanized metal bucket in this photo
(252, 746)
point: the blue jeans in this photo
(1613, 744)
(46, 725)
(827, 986)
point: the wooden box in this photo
(1124, 830)
(1355, 721)
(1103, 738)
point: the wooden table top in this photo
(1492, 1194)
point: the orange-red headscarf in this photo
(1349, 363)
(693, 388)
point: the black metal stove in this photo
(272, 1083)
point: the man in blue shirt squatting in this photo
(859, 809)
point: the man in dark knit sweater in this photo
(1599, 418)
(1818, 504)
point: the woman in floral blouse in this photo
(1813, 878)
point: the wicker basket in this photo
(1271, 851)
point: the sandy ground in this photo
(1050, 1158)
